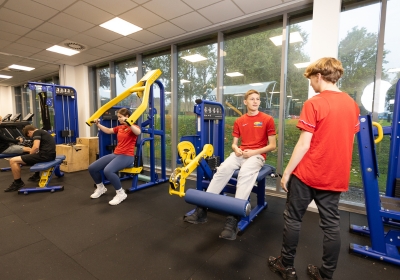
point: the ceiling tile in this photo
(32, 63)
(196, 4)
(87, 40)
(13, 28)
(111, 48)
(4, 43)
(14, 51)
(88, 13)
(73, 23)
(32, 42)
(166, 30)
(20, 47)
(142, 17)
(99, 53)
(256, 5)
(80, 58)
(8, 36)
(44, 37)
(115, 7)
(56, 30)
(19, 19)
(29, 8)
(164, 10)
(58, 5)
(191, 21)
(103, 34)
(127, 43)
(213, 12)
(46, 56)
(145, 37)
(140, 1)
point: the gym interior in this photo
(182, 70)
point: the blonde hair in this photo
(330, 69)
(251, 91)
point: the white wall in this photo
(78, 78)
(6, 101)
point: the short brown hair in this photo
(28, 128)
(251, 91)
(330, 69)
(124, 112)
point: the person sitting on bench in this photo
(43, 149)
(9, 145)
(123, 156)
(257, 133)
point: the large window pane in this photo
(125, 78)
(103, 84)
(358, 41)
(252, 61)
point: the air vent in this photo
(74, 45)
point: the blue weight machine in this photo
(205, 151)
(383, 211)
(63, 100)
(107, 142)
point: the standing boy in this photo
(257, 133)
(319, 168)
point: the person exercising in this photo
(123, 156)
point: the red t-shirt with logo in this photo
(126, 140)
(332, 118)
(254, 131)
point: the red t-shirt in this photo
(332, 118)
(126, 140)
(254, 131)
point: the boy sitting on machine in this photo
(257, 133)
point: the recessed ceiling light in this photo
(20, 67)
(234, 74)
(183, 81)
(256, 84)
(62, 50)
(194, 58)
(5, 77)
(302, 65)
(121, 26)
(293, 38)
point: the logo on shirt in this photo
(258, 124)
(244, 124)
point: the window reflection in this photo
(125, 77)
(103, 84)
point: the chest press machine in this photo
(383, 211)
(206, 150)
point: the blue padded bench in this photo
(46, 169)
(232, 205)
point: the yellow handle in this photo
(380, 132)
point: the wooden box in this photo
(76, 157)
(93, 144)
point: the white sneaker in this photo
(98, 192)
(121, 196)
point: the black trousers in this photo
(299, 197)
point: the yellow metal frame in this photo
(142, 89)
(132, 170)
(190, 162)
(44, 177)
(233, 108)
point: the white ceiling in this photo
(29, 27)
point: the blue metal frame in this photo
(212, 131)
(383, 244)
(64, 103)
(148, 129)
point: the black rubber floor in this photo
(67, 235)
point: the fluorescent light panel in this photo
(62, 50)
(5, 77)
(194, 58)
(234, 74)
(20, 67)
(121, 26)
(294, 37)
(256, 84)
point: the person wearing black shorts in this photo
(43, 149)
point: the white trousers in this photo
(249, 168)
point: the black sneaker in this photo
(314, 274)
(199, 216)
(34, 178)
(276, 265)
(14, 187)
(230, 229)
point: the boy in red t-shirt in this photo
(319, 168)
(257, 133)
